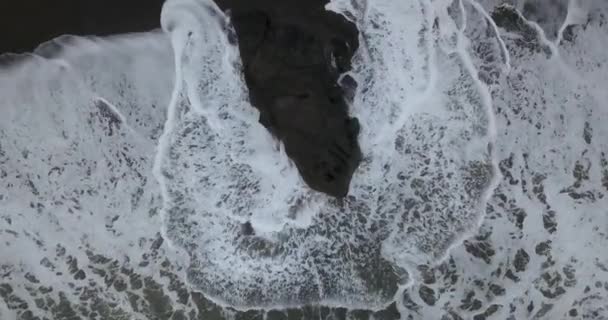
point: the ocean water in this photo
(129, 166)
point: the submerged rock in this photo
(293, 53)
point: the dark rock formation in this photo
(293, 52)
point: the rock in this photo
(293, 53)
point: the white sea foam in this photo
(80, 120)
(420, 187)
(444, 97)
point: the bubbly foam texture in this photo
(420, 187)
(80, 118)
(538, 252)
(80, 121)
(93, 165)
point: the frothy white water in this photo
(421, 186)
(80, 121)
(445, 95)
(539, 251)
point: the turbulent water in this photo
(130, 165)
